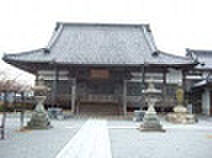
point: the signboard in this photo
(99, 74)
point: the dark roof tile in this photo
(107, 44)
(204, 57)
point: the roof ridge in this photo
(103, 24)
(178, 56)
(149, 38)
(56, 34)
(198, 50)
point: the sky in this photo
(176, 24)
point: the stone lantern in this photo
(39, 119)
(151, 121)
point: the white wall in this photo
(50, 74)
(174, 76)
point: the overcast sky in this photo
(176, 24)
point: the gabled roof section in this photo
(100, 44)
(204, 57)
(203, 83)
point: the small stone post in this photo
(180, 114)
(22, 119)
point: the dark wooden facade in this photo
(112, 85)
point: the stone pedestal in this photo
(39, 118)
(151, 121)
(138, 115)
(181, 116)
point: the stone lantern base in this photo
(151, 122)
(39, 119)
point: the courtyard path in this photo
(92, 141)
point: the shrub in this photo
(1, 108)
(23, 106)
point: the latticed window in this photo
(171, 90)
(134, 88)
(158, 86)
(63, 87)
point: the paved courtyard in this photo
(191, 141)
(106, 138)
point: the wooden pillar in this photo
(22, 97)
(184, 86)
(3, 121)
(164, 91)
(15, 93)
(183, 79)
(73, 95)
(164, 85)
(55, 86)
(36, 78)
(143, 86)
(125, 97)
(143, 74)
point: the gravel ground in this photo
(37, 143)
(179, 141)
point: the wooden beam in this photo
(36, 78)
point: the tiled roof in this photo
(204, 57)
(203, 82)
(100, 44)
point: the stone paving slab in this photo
(177, 142)
(37, 143)
(92, 141)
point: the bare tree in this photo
(8, 86)
(2, 88)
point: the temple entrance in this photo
(98, 97)
(99, 109)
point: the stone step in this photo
(99, 109)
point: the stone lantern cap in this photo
(152, 92)
(40, 89)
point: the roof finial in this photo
(148, 28)
(155, 53)
(46, 50)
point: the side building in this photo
(103, 67)
(199, 81)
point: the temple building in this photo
(199, 81)
(103, 67)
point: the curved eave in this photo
(29, 65)
(21, 65)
